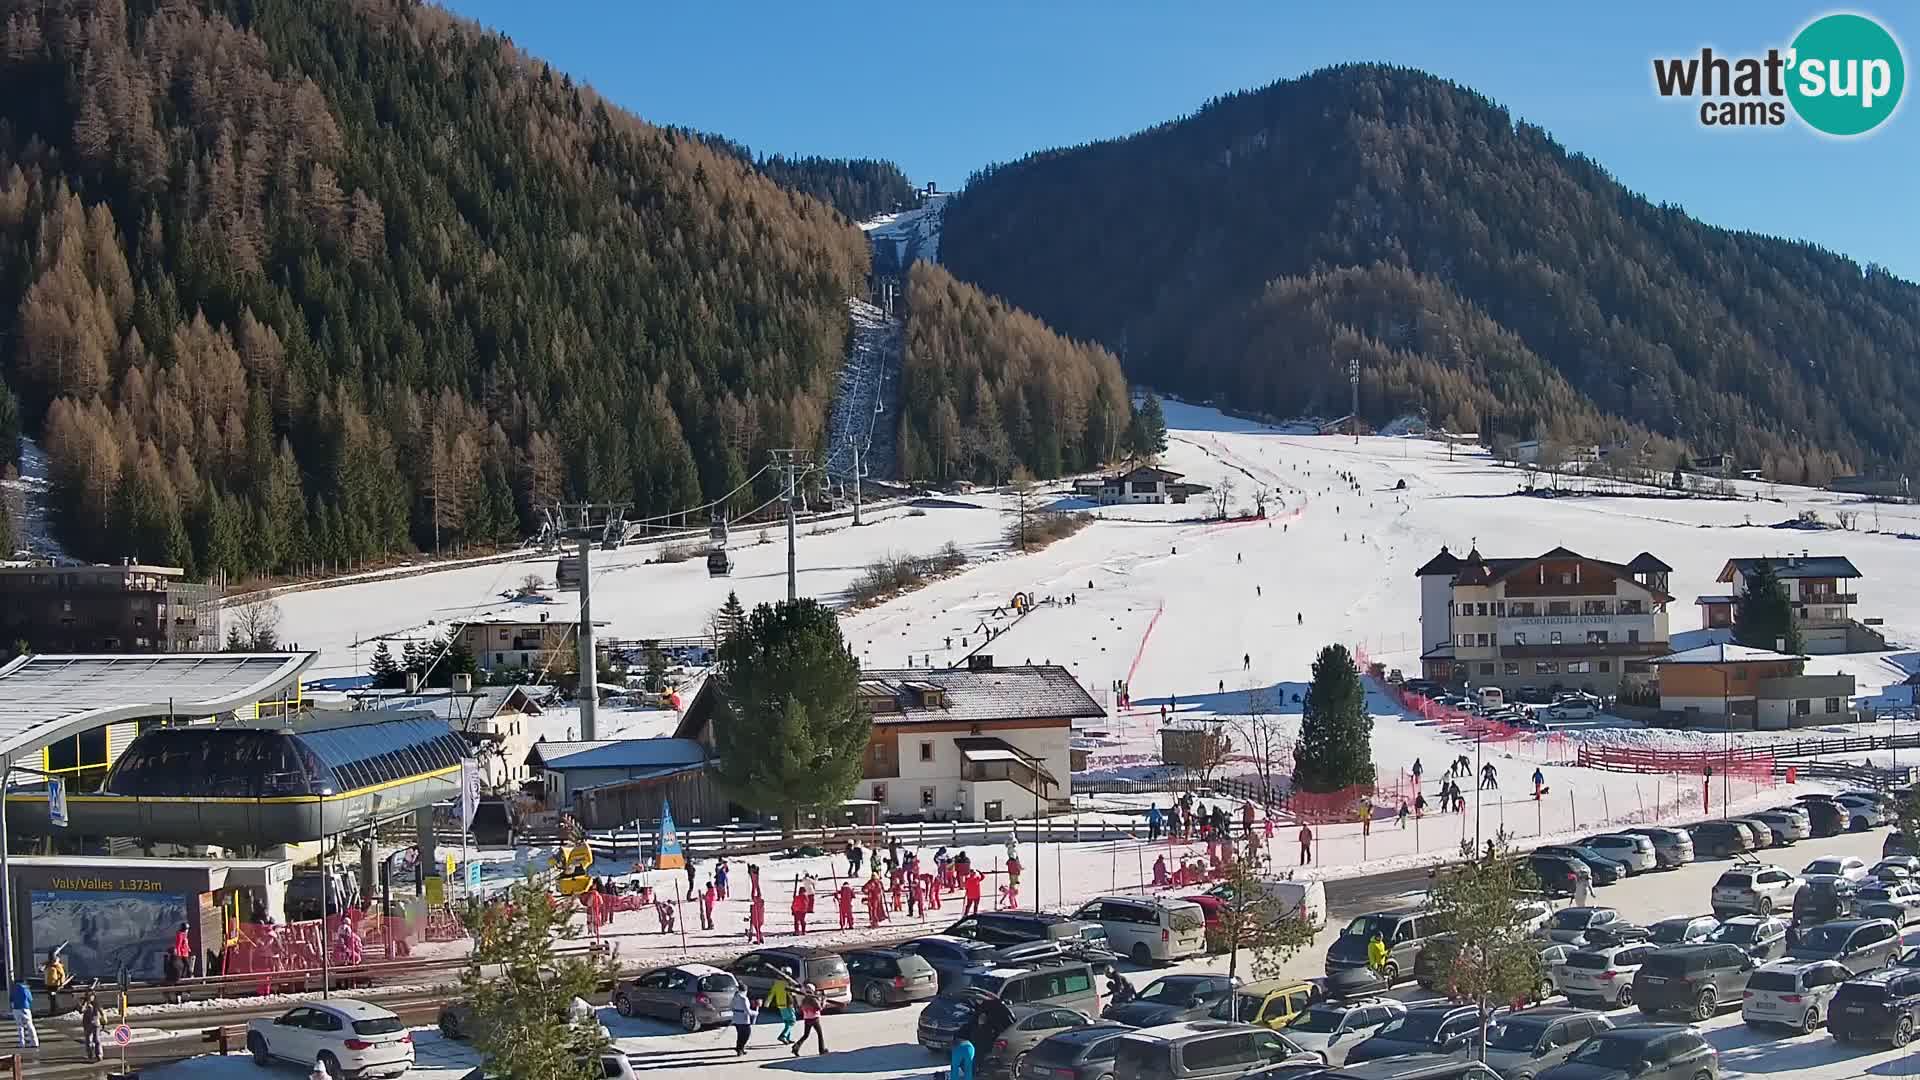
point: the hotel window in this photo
(1553, 638)
(1519, 638)
(926, 751)
(1480, 609)
(1466, 641)
(1513, 667)
(1606, 666)
(1833, 704)
(1579, 667)
(1566, 578)
(1633, 635)
(1594, 607)
(1480, 640)
(1546, 667)
(1630, 607)
(1500, 609)
(1559, 607)
(1596, 637)
(1466, 609)
(1803, 707)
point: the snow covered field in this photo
(1195, 614)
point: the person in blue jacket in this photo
(21, 999)
(960, 1063)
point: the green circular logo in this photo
(1847, 74)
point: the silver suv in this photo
(1754, 889)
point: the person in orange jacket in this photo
(845, 898)
(800, 907)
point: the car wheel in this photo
(1809, 1021)
(331, 1064)
(623, 1004)
(257, 1046)
(1766, 905)
(1390, 972)
(1545, 990)
(1013, 1070)
(1703, 1075)
(1141, 955)
(1903, 1032)
(688, 1021)
(1704, 1005)
(449, 1027)
(875, 996)
(1625, 1000)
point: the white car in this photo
(1845, 866)
(1573, 710)
(1533, 914)
(1862, 813)
(1601, 976)
(1757, 889)
(344, 1036)
(1332, 1028)
(1633, 852)
(1792, 993)
(1897, 901)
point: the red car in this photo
(1210, 908)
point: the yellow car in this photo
(1270, 1003)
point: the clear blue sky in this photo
(945, 89)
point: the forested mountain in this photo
(1478, 270)
(860, 188)
(986, 388)
(288, 282)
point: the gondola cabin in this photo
(719, 563)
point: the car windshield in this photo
(1616, 1053)
(1824, 938)
(1169, 990)
(379, 1025)
(1575, 918)
(1738, 933)
(1666, 933)
(1825, 866)
(1589, 961)
(718, 983)
(1873, 893)
(1773, 980)
(1734, 881)
(1238, 1007)
(1318, 1021)
(1513, 1036)
(1415, 1027)
(1366, 926)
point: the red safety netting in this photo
(1746, 763)
(354, 938)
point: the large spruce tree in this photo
(1763, 618)
(1147, 435)
(1335, 750)
(789, 731)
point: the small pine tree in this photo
(1764, 616)
(656, 680)
(728, 618)
(790, 734)
(520, 979)
(411, 662)
(1335, 749)
(1147, 432)
(385, 673)
(234, 641)
(1254, 921)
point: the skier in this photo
(1236, 557)
(1417, 770)
(757, 919)
(1246, 661)
(1154, 820)
(1299, 619)
(1256, 591)
(1401, 817)
(799, 909)
(844, 898)
(706, 907)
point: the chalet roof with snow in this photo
(1724, 653)
(554, 755)
(1794, 566)
(484, 703)
(1478, 570)
(1444, 563)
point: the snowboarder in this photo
(1539, 783)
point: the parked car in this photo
(1825, 818)
(1671, 847)
(1896, 869)
(1896, 843)
(1521, 1044)
(345, 1036)
(1719, 840)
(882, 977)
(1884, 1006)
(1148, 930)
(1070, 985)
(1173, 998)
(1799, 814)
(1861, 944)
(1272, 1003)
(1692, 980)
(1591, 978)
(1404, 933)
(1754, 888)
(1862, 813)
(1558, 874)
(1759, 833)
(1682, 930)
(1331, 1028)
(757, 970)
(1302, 899)
(1572, 710)
(1763, 937)
(695, 996)
(1787, 828)
(1628, 849)
(1823, 897)
(1015, 927)
(948, 956)
(1079, 1053)
(1031, 1025)
(1898, 901)
(1651, 1052)
(1605, 871)
(1846, 866)
(1793, 994)
(1573, 925)
(1202, 1050)
(456, 1017)
(1551, 957)
(1424, 1029)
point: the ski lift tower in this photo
(588, 523)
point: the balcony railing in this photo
(1831, 598)
(1578, 649)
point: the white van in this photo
(1305, 899)
(1148, 929)
(1490, 697)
